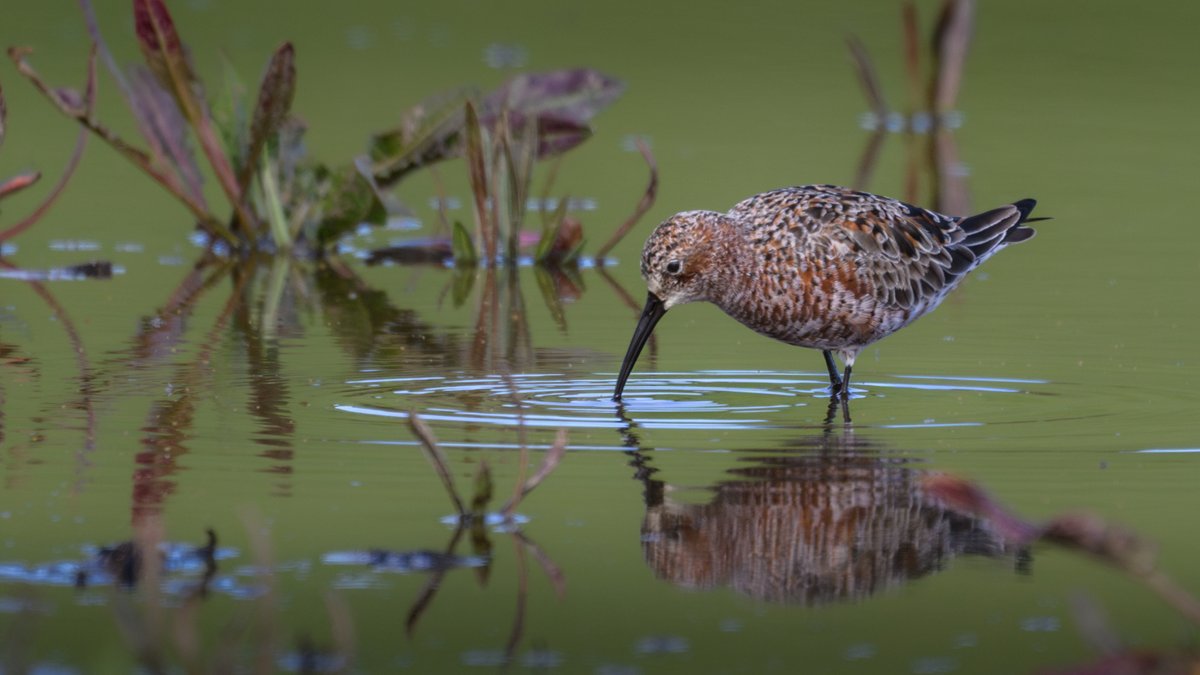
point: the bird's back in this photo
(839, 267)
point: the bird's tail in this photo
(990, 230)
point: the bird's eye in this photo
(673, 267)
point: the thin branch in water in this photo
(19, 182)
(552, 571)
(69, 105)
(433, 584)
(912, 53)
(549, 462)
(952, 40)
(518, 627)
(41, 210)
(522, 438)
(870, 157)
(867, 77)
(477, 171)
(434, 453)
(643, 205)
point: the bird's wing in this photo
(901, 254)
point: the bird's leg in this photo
(845, 388)
(835, 381)
(831, 411)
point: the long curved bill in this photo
(653, 311)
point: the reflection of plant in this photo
(1123, 549)
(930, 107)
(476, 519)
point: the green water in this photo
(713, 525)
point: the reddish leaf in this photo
(19, 182)
(165, 129)
(160, 42)
(165, 55)
(573, 95)
(965, 496)
(1113, 544)
(274, 101)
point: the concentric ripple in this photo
(675, 400)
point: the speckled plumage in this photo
(821, 266)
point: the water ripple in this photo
(728, 399)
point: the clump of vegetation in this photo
(281, 201)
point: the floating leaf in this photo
(274, 101)
(433, 452)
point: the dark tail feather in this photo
(991, 229)
(1019, 234)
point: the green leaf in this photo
(428, 132)
(480, 188)
(545, 245)
(463, 247)
(351, 199)
(230, 113)
(483, 489)
(274, 101)
(464, 281)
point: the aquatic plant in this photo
(282, 201)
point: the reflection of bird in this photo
(818, 266)
(809, 530)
